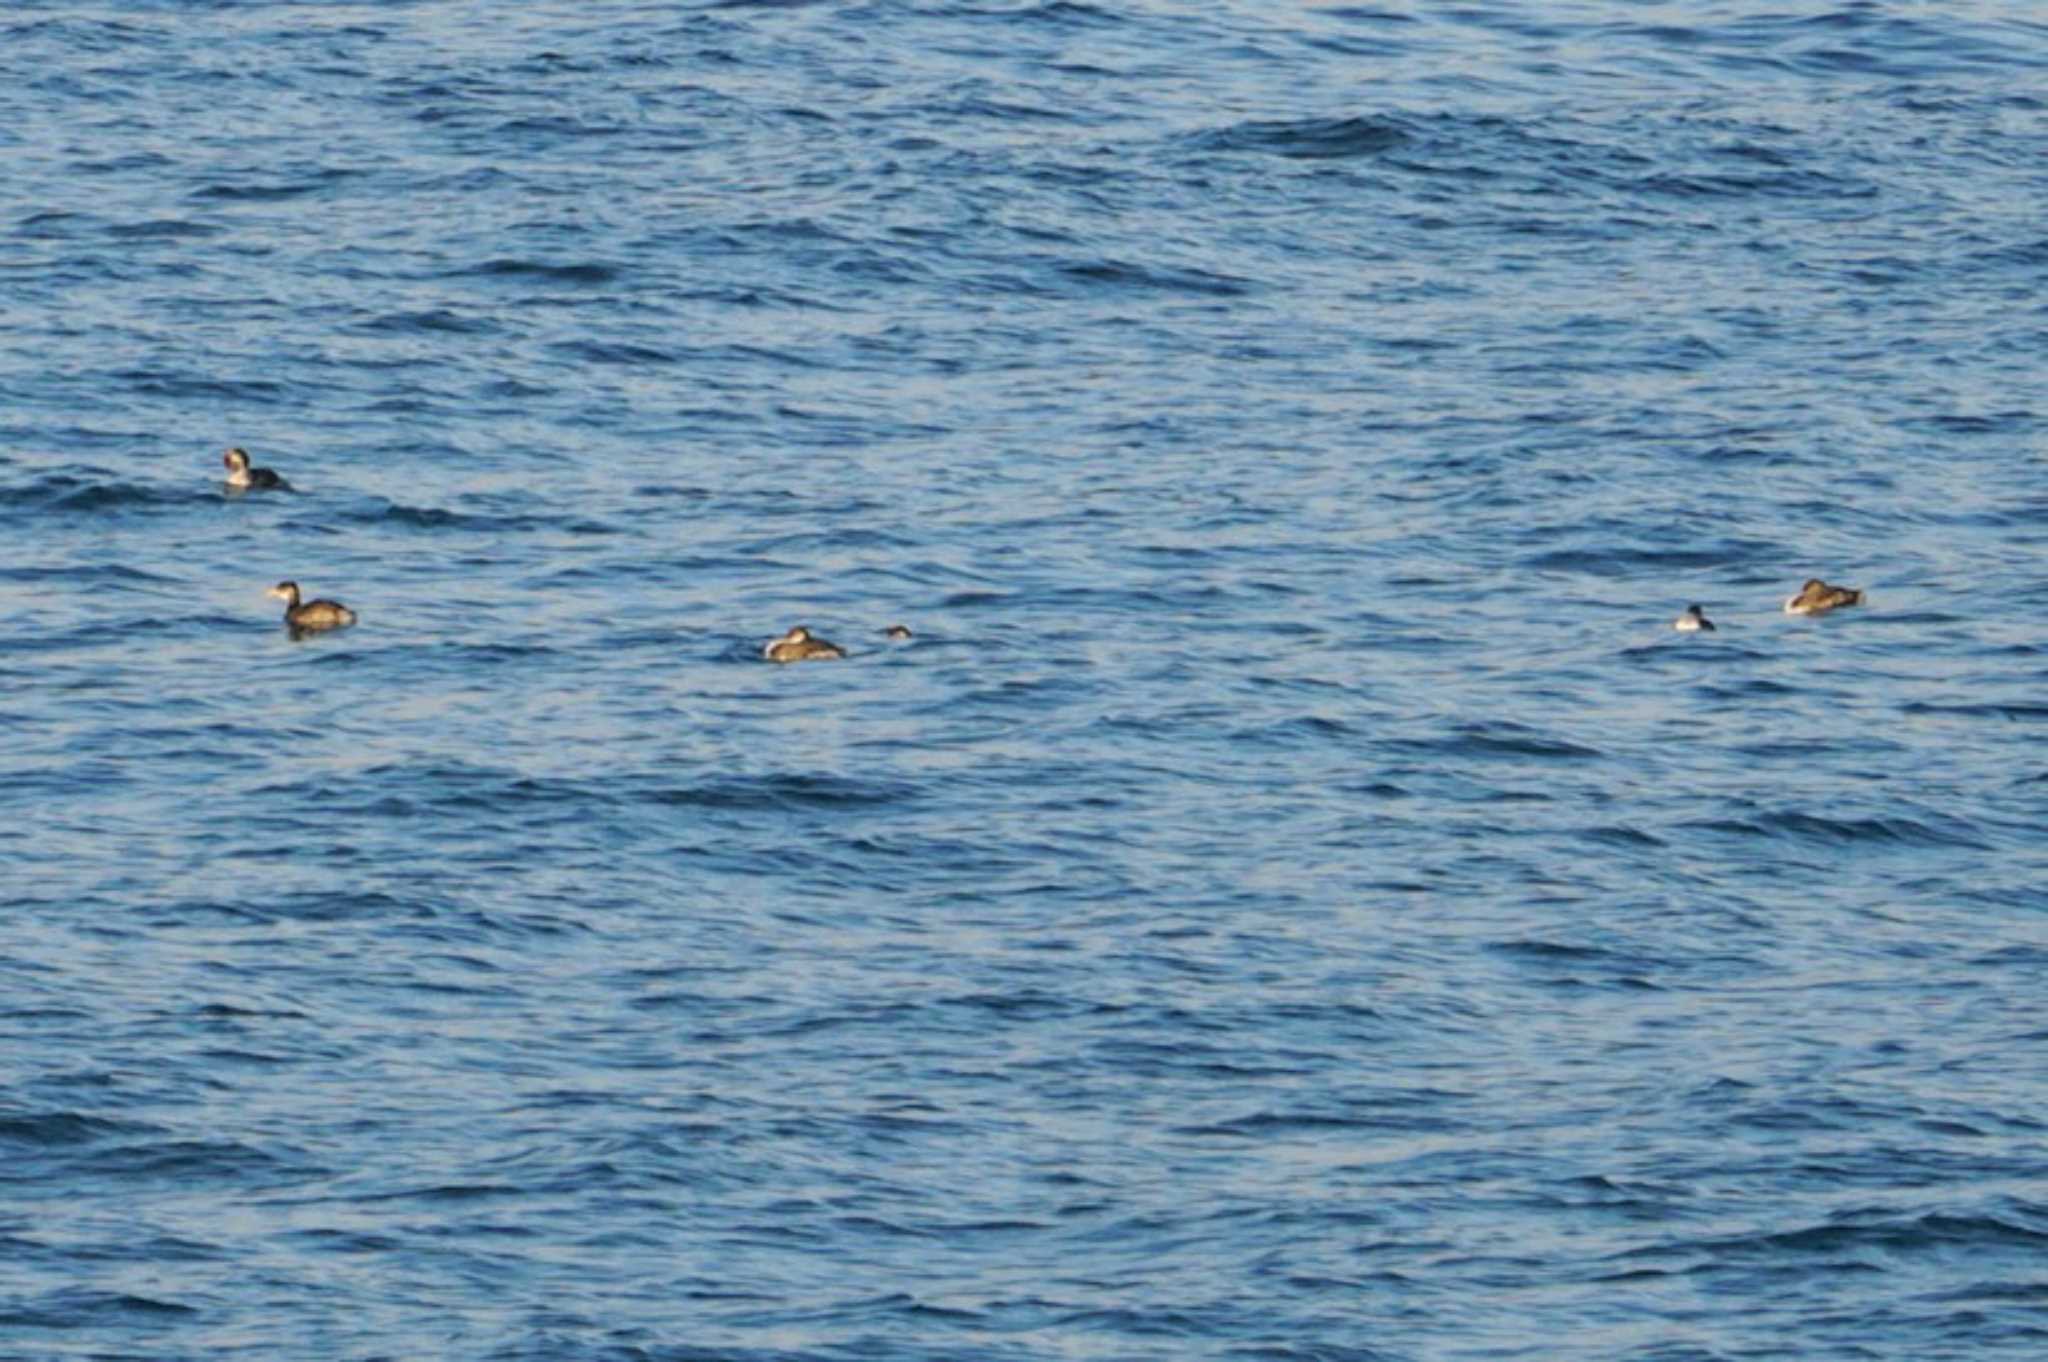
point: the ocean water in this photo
(1294, 899)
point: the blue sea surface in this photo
(1294, 898)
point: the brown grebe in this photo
(1817, 598)
(313, 616)
(799, 646)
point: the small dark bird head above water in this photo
(1693, 621)
(240, 474)
(1817, 598)
(799, 645)
(898, 632)
(313, 616)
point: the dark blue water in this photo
(1295, 897)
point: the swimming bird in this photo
(1817, 598)
(1693, 621)
(798, 645)
(313, 616)
(241, 475)
(899, 632)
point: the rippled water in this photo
(1295, 897)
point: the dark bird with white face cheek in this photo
(313, 617)
(244, 478)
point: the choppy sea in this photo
(1294, 898)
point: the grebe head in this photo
(236, 459)
(288, 592)
(897, 631)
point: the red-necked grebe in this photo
(241, 475)
(313, 616)
(798, 645)
(1817, 598)
(1693, 621)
